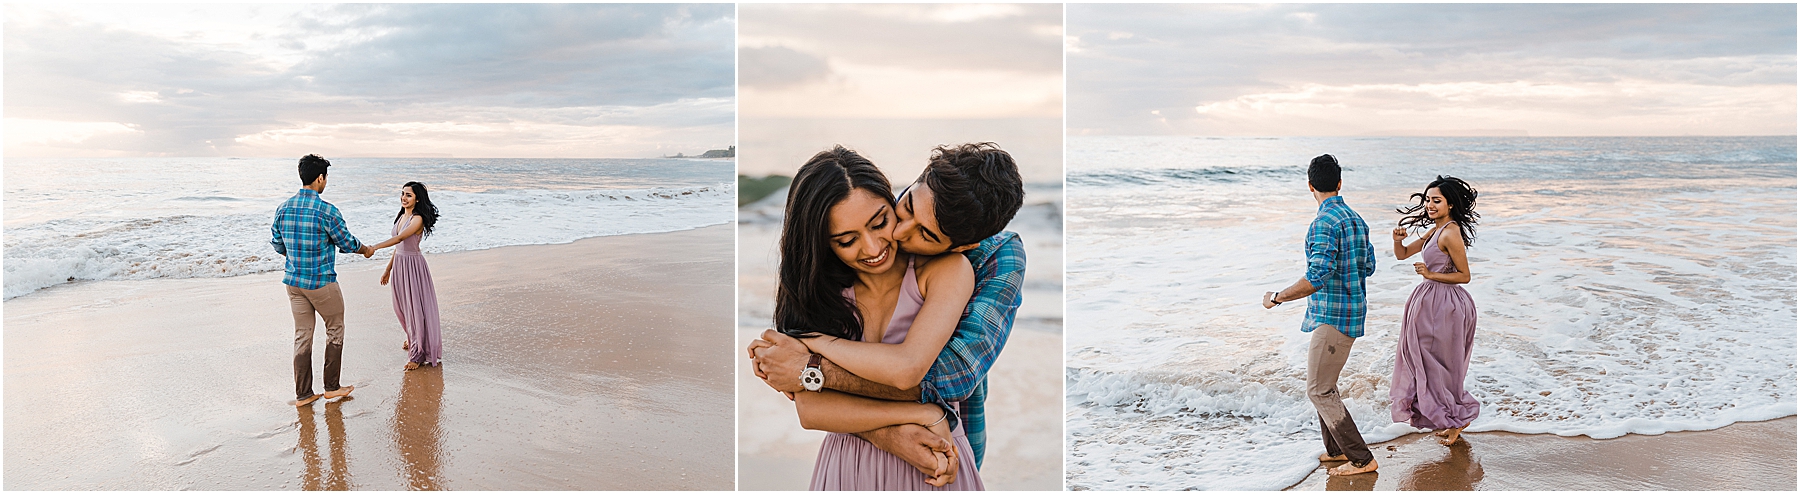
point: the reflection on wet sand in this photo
(1458, 469)
(557, 385)
(318, 476)
(1742, 456)
(416, 428)
(1364, 482)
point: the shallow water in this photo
(1626, 285)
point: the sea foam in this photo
(175, 233)
(1625, 286)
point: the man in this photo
(1339, 258)
(306, 230)
(960, 203)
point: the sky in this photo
(894, 80)
(507, 80)
(901, 60)
(1350, 69)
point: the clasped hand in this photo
(777, 359)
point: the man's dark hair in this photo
(1324, 173)
(976, 190)
(311, 166)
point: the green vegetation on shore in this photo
(754, 189)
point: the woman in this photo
(848, 292)
(1437, 335)
(415, 300)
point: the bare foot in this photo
(304, 401)
(405, 345)
(412, 365)
(1441, 432)
(1351, 469)
(339, 393)
(1324, 457)
(1451, 435)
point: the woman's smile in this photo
(879, 259)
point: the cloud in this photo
(901, 61)
(1285, 69)
(993, 37)
(375, 66)
(778, 67)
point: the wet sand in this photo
(1024, 449)
(1742, 456)
(599, 364)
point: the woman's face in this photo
(407, 199)
(1436, 207)
(862, 232)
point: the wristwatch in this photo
(812, 378)
(1272, 295)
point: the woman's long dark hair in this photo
(809, 300)
(422, 206)
(1461, 197)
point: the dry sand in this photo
(600, 364)
(1742, 456)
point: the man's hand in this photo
(367, 251)
(779, 363)
(1268, 300)
(917, 446)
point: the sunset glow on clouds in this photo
(901, 61)
(369, 80)
(1544, 70)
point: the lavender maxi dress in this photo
(848, 463)
(415, 301)
(1436, 338)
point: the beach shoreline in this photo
(596, 364)
(1741, 456)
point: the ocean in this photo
(1626, 286)
(83, 219)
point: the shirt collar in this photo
(1329, 200)
(308, 192)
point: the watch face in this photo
(812, 379)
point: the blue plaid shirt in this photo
(1338, 258)
(960, 373)
(305, 228)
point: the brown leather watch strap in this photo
(815, 361)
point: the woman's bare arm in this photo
(947, 282)
(412, 228)
(1452, 244)
(1403, 250)
(831, 411)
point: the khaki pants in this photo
(328, 303)
(1325, 359)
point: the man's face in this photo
(917, 232)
